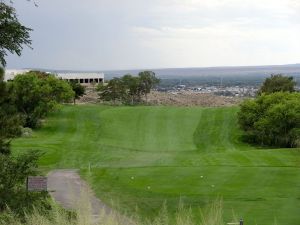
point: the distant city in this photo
(224, 81)
(229, 91)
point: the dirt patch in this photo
(71, 192)
(181, 98)
(189, 98)
(91, 96)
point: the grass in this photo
(144, 156)
(212, 215)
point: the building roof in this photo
(10, 75)
(81, 75)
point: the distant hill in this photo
(216, 71)
(243, 75)
(252, 75)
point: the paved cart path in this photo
(70, 191)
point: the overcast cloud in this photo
(128, 34)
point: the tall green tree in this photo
(36, 94)
(14, 169)
(10, 120)
(133, 88)
(79, 90)
(128, 89)
(113, 91)
(148, 81)
(277, 83)
(13, 35)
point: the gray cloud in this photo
(114, 34)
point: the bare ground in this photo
(182, 98)
(189, 98)
(71, 192)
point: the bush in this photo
(35, 94)
(272, 119)
(13, 172)
(26, 132)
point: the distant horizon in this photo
(157, 68)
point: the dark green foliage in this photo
(128, 89)
(133, 87)
(277, 83)
(113, 91)
(148, 81)
(13, 35)
(10, 121)
(14, 170)
(35, 94)
(13, 174)
(272, 119)
(10, 127)
(78, 89)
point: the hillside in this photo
(147, 155)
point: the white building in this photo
(83, 78)
(10, 74)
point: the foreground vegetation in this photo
(211, 215)
(144, 156)
(273, 117)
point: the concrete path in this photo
(71, 192)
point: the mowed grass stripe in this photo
(168, 149)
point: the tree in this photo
(128, 89)
(113, 91)
(272, 119)
(78, 89)
(13, 173)
(133, 88)
(148, 81)
(10, 121)
(14, 169)
(277, 83)
(35, 94)
(13, 34)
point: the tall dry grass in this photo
(83, 215)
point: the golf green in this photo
(145, 156)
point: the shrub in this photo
(26, 132)
(13, 173)
(35, 94)
(272, 119)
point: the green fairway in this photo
(143, 156)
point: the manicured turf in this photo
(147, 155)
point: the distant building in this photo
(83, 78)
(10, 74)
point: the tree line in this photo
(15, 112)
(128, 89)
(24, 102)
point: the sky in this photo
(145, 34)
